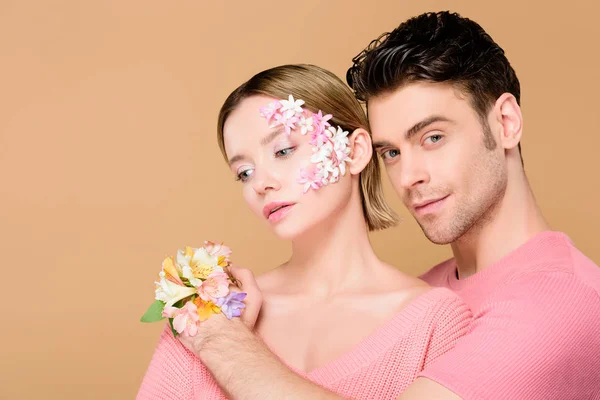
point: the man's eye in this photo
(386, 155)
(434, 138)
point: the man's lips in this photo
(429, 206)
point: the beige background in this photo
(108, 157)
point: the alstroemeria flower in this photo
(220, 251)
(206, 309)
(197, 264)
(232, 304)
(185, 319)
(215, 286)
(170, 292)
(171, 272)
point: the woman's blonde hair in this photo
(320, 90)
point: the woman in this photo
(295, 137)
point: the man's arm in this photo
(535, 338)
(240, 362)
(245, 368)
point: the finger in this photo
(235, 283)
(254, 296)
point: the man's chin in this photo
(438, 236)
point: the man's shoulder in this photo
(585, 269)
(438, 275)
(563, 258)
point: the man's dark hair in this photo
(440, 47)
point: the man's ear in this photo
(508, 116)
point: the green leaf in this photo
(175, 333)
(154, 312)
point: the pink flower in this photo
(320, 120)
(288, 123)
(217, 249)
(309, 179)
(319, 137)
(270, 111)
(215, 286)
(185, 319)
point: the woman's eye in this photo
(386, 155)
(244, 175)
(284, 152)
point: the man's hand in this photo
(219, 325)
(253, 300)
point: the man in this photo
(443, 103)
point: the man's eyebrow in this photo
(382, 143)
(419, 126)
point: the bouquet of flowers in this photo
(192, 287)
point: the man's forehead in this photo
(396, 112)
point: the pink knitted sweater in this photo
(380, 367)
(536, 328)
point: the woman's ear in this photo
(361, 150)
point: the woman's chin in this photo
(298, 230)
(289, 232)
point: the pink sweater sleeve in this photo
(536, 338)
(452, 322)
(171, 371)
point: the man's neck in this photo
(513, 221)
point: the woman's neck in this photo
(334, 257)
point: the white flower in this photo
(342, 168)
(306, 125)
(189, 274)
(319, 156)
(197, 264)
(170, 292)
(328, 167)
(341, 139)
(291, 105)
(331, 132)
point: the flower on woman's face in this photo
(291, 107)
